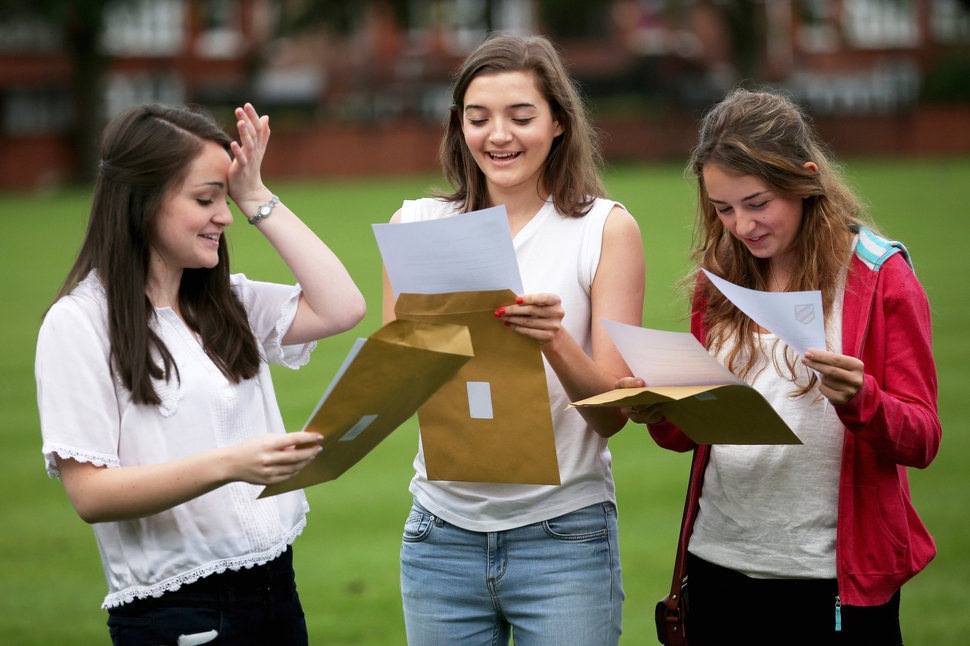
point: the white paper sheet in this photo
(351, 355)
(664, 358)
(794, 317)
(463, 253)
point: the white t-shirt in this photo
(86, 414)
(770, 511)
(556, 254)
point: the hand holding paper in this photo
(382, 382)
(491, 422)
(694, 390)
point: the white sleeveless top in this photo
(557, 254)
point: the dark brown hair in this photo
(570, 172)
(765, 135)
(146, 152)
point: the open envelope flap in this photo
(492, 421)
(724, 414)
(640, 396)
(395, 371)
(425, 335)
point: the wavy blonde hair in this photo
(765, 135)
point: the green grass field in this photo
(51, 583)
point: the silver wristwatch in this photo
(264, 210)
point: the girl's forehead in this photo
(503, 87)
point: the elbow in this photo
(354, 312)
(91, 518)
(91, 513)
(932, 448)
(350, 312)
(607, 428)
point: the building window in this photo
(28, 33)
(124, 90)
(221, 36)
(950, 22)
(36, 111)
(816, 32)
(144, 28)
(881, 24)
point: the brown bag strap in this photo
(680, 561)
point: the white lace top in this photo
(86, 414)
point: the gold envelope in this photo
(395, 371)
(491, 422)
(724, 414)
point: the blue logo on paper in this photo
(805, 313)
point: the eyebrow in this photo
(215, 183)
(743, 199)
(472, 106)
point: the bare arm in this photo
(101, 494)
(331, 302)
(617, 294)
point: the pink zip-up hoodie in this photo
(892, 423)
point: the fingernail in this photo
(499, 312)
(519, 300)
(507, 324)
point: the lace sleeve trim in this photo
(63, 452)
(170, 585)
(292, 356)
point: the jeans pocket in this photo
(165, 626)
(418, 525)
(588, 523)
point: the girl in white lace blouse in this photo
(156, 402)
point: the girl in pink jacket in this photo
(804, 543)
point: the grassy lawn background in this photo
(51, 583)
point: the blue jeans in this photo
(255, 606)
(546, 584)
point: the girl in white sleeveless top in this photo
(480, 561)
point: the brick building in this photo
(880, 76)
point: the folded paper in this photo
(492, 421)
(693, 389)
(382, 383)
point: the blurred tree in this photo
(82, 23)
(575, 18)
(343, 16)
(745, 23)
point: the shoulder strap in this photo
(680, 561)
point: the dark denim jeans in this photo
(252, 606)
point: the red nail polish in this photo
(507, 324)
(519, 300)
(500, 311)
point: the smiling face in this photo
(766, 220)
(191, 218)
(509, 129)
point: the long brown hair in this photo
(765, 135)
(146, 152)
(570, 172)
